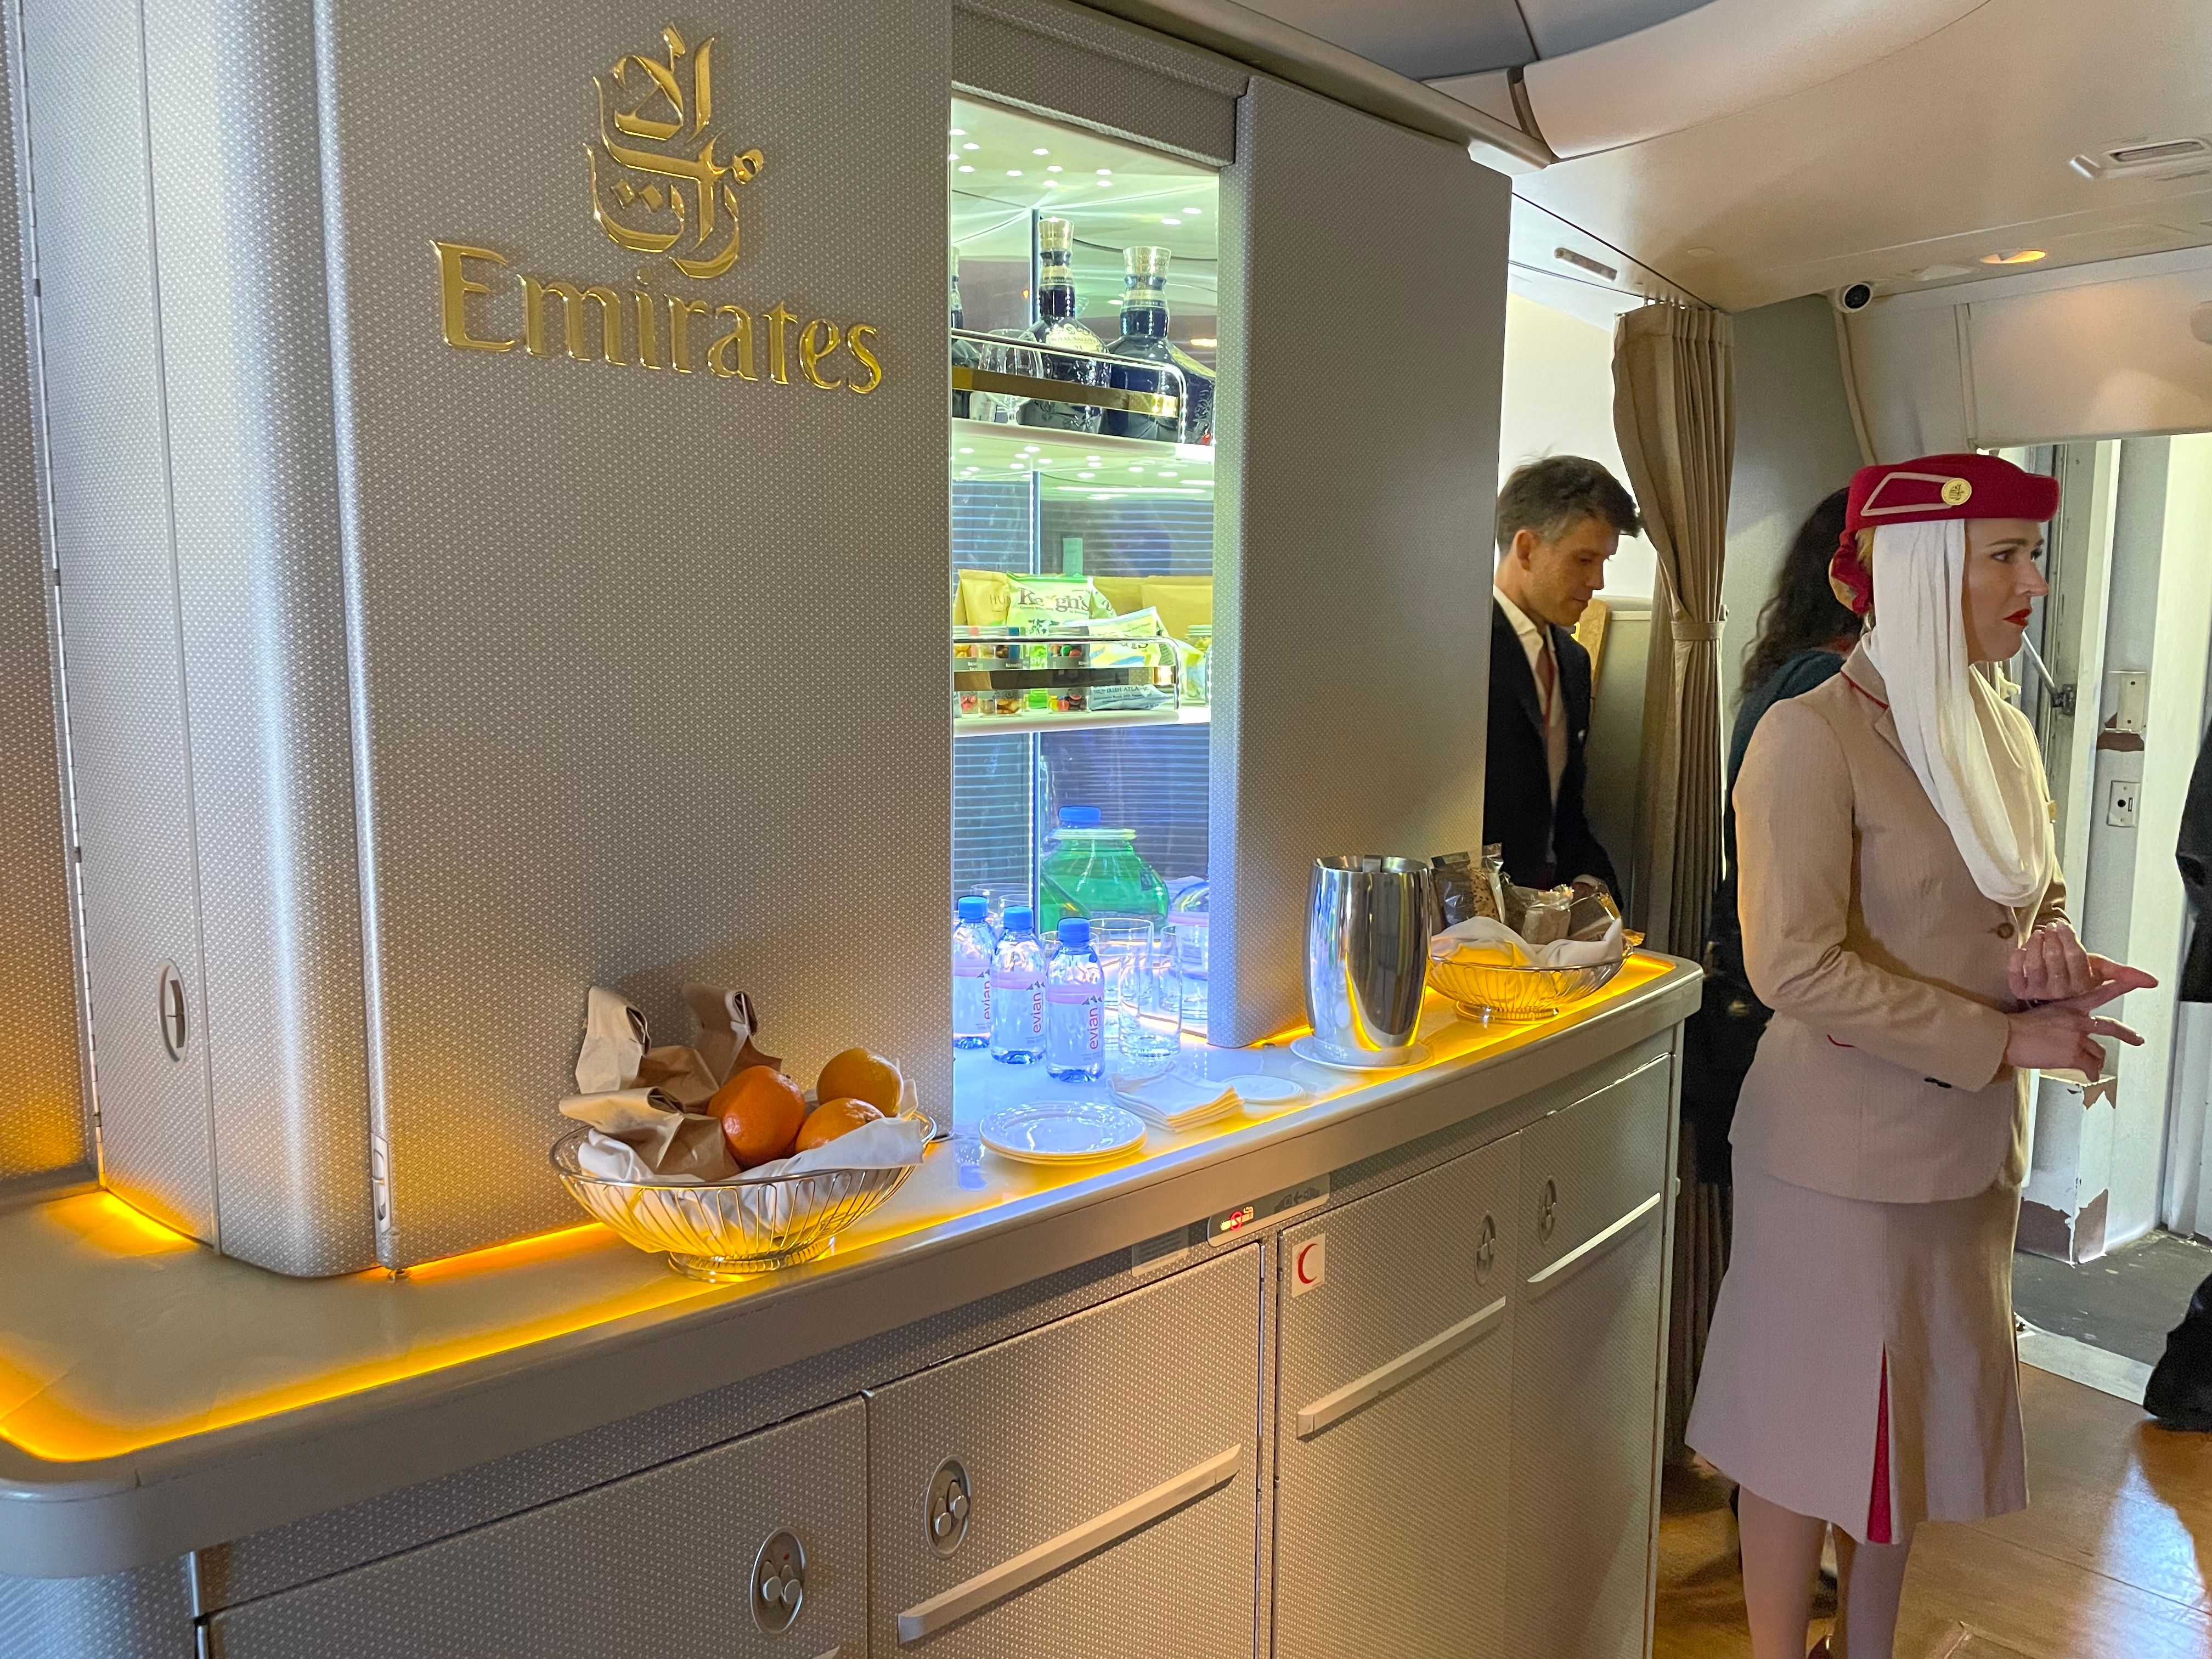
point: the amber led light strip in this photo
(51, 1429)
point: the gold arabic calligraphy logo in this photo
(644, 99)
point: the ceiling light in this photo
(952, 157)
(967, 169)
(2023, 256)
(1013, 173)
(971, 147)
(1171, 221)
(1204, 341)
(1102, 183)
(1189, 213)
(1103, 172)
(1086, 475)
(1055, 168)
(959, 132)
(1040, 152)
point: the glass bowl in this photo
(1486, 991)
(730, 1228)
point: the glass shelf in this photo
(984, 725)
(1076, 466)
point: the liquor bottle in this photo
(964, 354)
(1145, 340)
(1056, 325)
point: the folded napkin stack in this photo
(1175, 1104)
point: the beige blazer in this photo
(1882, 1074)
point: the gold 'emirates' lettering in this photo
(602, 325)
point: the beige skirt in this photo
(1825, 1297)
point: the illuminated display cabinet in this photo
(1094, 463)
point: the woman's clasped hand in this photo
(2063, 985)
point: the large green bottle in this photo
(1094, 872)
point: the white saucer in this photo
(1304, 1050)
(1061, 1132)
(1258, 1089)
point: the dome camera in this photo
(1853, 296)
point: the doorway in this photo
(2120, 1189)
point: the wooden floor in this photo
(2112, 1560)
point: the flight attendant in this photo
(1904, 917)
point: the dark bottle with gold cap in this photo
(1056, 325)
(1145, 340)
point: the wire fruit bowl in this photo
(725, 1230)
(1494, 991)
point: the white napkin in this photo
(889, 1143)
(1492, 944)
(773, 1206)
(1174, 1101)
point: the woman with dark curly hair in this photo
(1804, 634)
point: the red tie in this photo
(1546, 678)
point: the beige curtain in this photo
(1673, 413)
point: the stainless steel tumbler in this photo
(1368, 924)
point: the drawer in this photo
(1598, 1167)
(665, 1565)
(1104, 1466)
(1392, 1439)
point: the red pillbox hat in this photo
(1930, 488)
(1947, 487)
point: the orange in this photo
(833, 1118)
(861, 1075)
(761, 1110)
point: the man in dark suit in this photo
(1558, 521)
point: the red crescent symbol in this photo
(1298, 1263)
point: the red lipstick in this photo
(2019, 618)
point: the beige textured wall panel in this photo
(42, 1119)
(1363, 334)
(651, 671)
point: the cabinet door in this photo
(1102, 1470)
(1586, 1355)
(1394, 1380)
(665, 1565)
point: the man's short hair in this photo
(1549, 497)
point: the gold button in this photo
(2002, 930)
(1956, 492)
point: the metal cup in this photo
(1368, 924)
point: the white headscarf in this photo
(1980, 768)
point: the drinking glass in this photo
(1148, 1011)
(1123, 945)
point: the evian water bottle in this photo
(1017, 991)
(1075, 1007)
(973, 943)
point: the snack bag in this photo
(1051, 602)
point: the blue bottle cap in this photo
(1020, 919)
(1079, 817)
(1074, 931)
(973, 908)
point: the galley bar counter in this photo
(506, 469)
